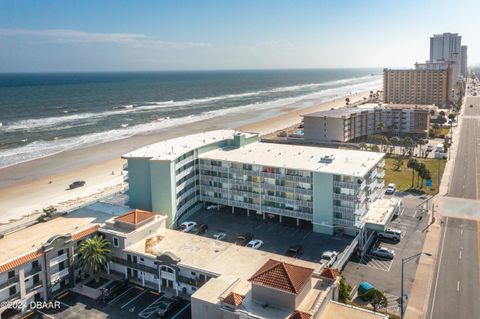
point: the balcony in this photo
(184, 173)
(55, 277)
(9, 282)
(36, 285)
(59, 259)
(137, 266)
(184, 161)
(33, 271)
(351, 185)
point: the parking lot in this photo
(277, 237)
(385, 274)
(133, 302)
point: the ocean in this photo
(44, 114)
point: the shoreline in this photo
(28, 187)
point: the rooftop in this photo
(172, 148)
(135, 217)
(336, 310)
(31, 238)
(281, 275)
(347, 111)
(307, 158)
(380, 211)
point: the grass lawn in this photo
(403, 178)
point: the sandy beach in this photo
(27, 188)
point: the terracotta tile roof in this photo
(20, 261)
(282, 276)
(85, 232)
(135, 217)
(233, 299)
(330, 273)
(299, 315)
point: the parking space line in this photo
(64, 303)
(133, 299)
(377, 263)
(43, 313)
(178, 313)
(119, 296)
(147, 311)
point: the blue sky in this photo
(169, 35)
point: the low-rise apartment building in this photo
(418, 86)
(37, 263)
(223, 280)
(330, 188)
(350, 123)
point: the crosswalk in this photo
(376, 262)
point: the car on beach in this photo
(187, 227)
(76, 184)
(255, 244)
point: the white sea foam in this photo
(39, 149)
(79, 119)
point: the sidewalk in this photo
(418, 302)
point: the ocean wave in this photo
(77, 119)
(38, 149)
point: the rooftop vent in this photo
(327, 159)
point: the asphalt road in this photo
(456, 282)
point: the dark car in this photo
(76, 184)
(244, 239)
(167, 306)
(294, 251)
(200, 229)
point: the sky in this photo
(107, 35)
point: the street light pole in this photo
(404, 261)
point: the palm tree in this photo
(94, 256)
(380, 126)
(420, 143)
(363, 146)
(413, 164)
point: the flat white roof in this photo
(307, 158)
(380, 211)
(347, 111)
(172, 148)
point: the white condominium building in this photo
(330, 188)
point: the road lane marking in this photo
(461, 231)
(460, 255)
(438, 270)
(458, 285)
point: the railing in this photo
(257, 173)
(55, 277)
(353, 185)
(34, 287)
(137, 266)
(344, 256)
(10, 281)
(184, 173)
(58, 259)
(184, 161)
(33, 271)
(185, 183)
(187, 205)
(352, 198)
(186, 194)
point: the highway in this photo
(456, 282)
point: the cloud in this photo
(74, 36)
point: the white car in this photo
(210, 207)
(328, 258)
(383, 252)
(187, 227)
(390, 189)
(255, 244)
(219, 236)
(390, 234)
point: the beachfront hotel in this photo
(221, 279)
(418, 86)
(350, 123)
(330, 188)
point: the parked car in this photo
(244, 239)
(255, 244)
(390, 189)
(328, 258)
(214, 206)
(294, 251)
(219, 235)
(76, 184)
(429, 148)
(383, 252)
(200, 229)
(471, 105)
(390, 234)
(187, 227)
(167, 306)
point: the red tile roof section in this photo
(282, 276)
(85, 232)
(20, 261)
(233, 299)
(135, 217)
(330, 273)
(299, 315)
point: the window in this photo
(11, 274)
(115, 242)
(35, 264)
(36, 279)
(60, 252)
(193, 273)
(12, 290)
